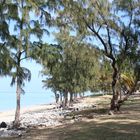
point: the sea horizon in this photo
(8, 100)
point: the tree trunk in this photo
(65, 99)
(75, 96)
(71, 97)
(17, 113)
(56, 97)
(61, 97)
(114, 100)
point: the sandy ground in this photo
(8, 116)
(47, 115)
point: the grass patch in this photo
(88, 131)
(96, 95)
(88, 112)
(132, 102)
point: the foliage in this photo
(21, 23)
(74, 67)
(128, 81)
(105, 23)
(85, 31)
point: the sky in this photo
(35, 85)
(32, 65)
(34, 91)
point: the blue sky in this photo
(31, 65)
(34, 91)
(34, 85)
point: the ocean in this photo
(34, 93)
(8, 100)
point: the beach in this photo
(46, 115)
(8, 116)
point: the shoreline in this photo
(46, 115)
(5, 115)
(9, 115)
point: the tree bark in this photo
(56, 97)
(17, 113)
(114, 100)
(18, 92)
(71, 97)
(65, 99)
(116, 103)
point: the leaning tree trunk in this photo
(17, 113)
(115, 77)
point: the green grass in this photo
(88, 131)
(96, 95)
(89, 111)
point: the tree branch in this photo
(99, 29)
(25, 58)
(131, 15)
(109, 39)
(3, 45)
(97, 34)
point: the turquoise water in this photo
(8, 100)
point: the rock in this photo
(90, 116)
(77, 109)
(93, 106)
(11, 133)
(110, 113)
(3, 125)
